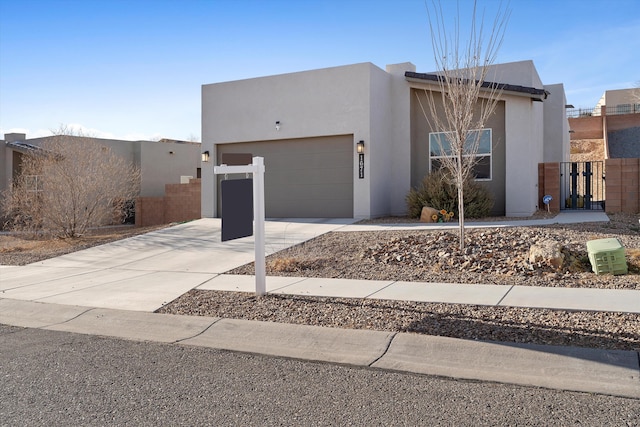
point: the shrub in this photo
(69, 185)
(438, 191)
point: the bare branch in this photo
(459, 103)
(75, 183)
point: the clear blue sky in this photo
(133, 69)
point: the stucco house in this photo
(350, 141)
(161, 162)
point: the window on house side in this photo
(33, 183)
(440, 147)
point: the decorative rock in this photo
(427, 213)
(547, 252)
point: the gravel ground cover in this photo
(491, 256)
(498, 256)
(495, 256)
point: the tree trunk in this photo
(460, 179)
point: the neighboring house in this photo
(160, 162)
(308, 125)
(614, 122)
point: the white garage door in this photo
(304, 178)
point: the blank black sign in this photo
(237, 208)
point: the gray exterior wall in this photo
(420, 148)
(158, 167)
(164, 163)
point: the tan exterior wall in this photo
(181, 202)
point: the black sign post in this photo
(361, 165)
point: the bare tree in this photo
(462, 99)
(69, 184)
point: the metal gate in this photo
(582, 185)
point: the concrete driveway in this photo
(145, 272)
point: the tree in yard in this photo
(69, 184)
(461, 100)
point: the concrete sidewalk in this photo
(581, 299)
(113, 289)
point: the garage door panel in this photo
(312, 161)
(312, 192)
(311, 177)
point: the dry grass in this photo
(22, 249)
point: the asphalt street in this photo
(57, 378)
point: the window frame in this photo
(480, 154)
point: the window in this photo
(440, 147)
(33, 183)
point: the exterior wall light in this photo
(360, 147)
(278, 125)
(205, 156)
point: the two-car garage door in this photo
(304, 178)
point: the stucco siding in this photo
(523, 120)
(332, 101)
(380, 146)
(522, 73)
(164, 163)
(380, 108)
(556, 125)
(420, 148)
(398, 163)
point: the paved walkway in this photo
(113, 289)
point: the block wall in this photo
(623, 185)
(586, 127)
(181, 202)
(549, 184)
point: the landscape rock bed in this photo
(491, 256)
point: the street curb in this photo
(611, 372)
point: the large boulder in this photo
(547, 252)
(427, 214)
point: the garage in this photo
(304, 178)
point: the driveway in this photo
(147, 271)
